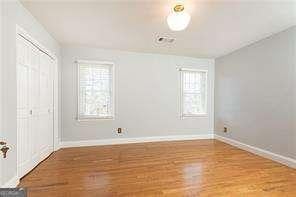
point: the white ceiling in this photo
(216, 27)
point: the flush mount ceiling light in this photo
(178, 20)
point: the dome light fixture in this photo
(178, 20)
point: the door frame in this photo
(23, 33)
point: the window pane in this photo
(192, 103)
(95, 89)
(194, 92)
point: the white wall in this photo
(255, 94)
(15, 14)
(147, 96)
(1, 65)
(294, 91)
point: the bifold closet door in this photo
(45, 144)
(34, 106)
(27, 103)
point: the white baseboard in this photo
(258, 151)
(12, 183)
(66, 144)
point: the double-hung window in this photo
(95, 87)
(193, 92)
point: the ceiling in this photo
(216, 28)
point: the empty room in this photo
(147, 98)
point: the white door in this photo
(45, 134)
(24, 111)
(34, 106)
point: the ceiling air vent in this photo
(163, 40)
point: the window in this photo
(193, 92)
(95, 81)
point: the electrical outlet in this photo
(225, 129)
(119, 130)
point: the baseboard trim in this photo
(258, 151)
(67, 144)
(12, 183)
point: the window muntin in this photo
(95, 90)
(194, 92)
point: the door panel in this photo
(46, 94)
(23, 108)
(34, 106)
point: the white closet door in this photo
(46, 106)
(34, 106)
(34, 92)
(24, 136)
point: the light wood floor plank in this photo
(181, 168)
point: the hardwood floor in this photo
(181, 168)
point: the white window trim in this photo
(182, 115)
(91, 118)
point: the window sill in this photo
(194, 116)
(94, 119)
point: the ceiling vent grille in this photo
(164, 40)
